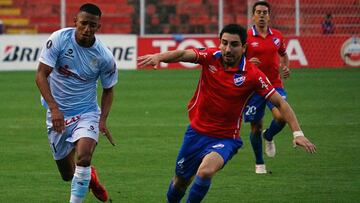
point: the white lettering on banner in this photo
(295, 52)
(185, 44)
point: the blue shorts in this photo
(196, 146)
(255, 107)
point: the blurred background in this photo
(144, 17)
(318, 34)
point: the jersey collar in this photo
(241, 65)
(256, 33)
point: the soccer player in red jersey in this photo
(227, 81)
(266, 49)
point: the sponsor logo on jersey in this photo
(218, 146)
(239, 79)
(49, 44)
(263, 84)
(212, 69)
(69, 53)
(350, 51)
(254, 44)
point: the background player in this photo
(264, 46)
(70, 64)
(227, 80)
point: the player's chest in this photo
(269, 44)
(83, 64)
(228, 83)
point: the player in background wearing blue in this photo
(212, 138)
(71, 63)
(267, 50)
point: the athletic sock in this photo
(174, 195)
(275, 128)
(80, 184)
(198, 190)
(256, 142)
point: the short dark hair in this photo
(235, 29)
(261, 3)
(91, 8)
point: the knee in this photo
(206, 172)
(256, 127)
(84, 160)
(67, 176)
(181, 183)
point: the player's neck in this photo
(263, 31)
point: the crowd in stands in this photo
(179, 17)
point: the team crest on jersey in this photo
(276, 41)
(94, 61)
(239, 79)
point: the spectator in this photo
(327, 25)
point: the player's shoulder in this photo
(276, 32)
(251, 68)
(64, 32)
(103, 49)
(208, 52)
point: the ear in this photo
(99, 26)
(244, 48)
(75, 20)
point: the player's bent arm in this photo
(57, 117)
(42, 74)
(289, 116)
(284, 65)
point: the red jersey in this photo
(267, 50)
(221, 95)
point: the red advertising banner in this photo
(304, 52)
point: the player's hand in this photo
(255, 61)
(286, 72)
(57, 119)
(305, 143)
(148, 60)
(104, 131)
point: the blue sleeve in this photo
(51, 50)
(109, 75)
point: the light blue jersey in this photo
(76, 69)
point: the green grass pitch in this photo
(148, 120)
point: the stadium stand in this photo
(345, 16)
(181, 16)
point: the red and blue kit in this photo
(267, 50)
(222, 93)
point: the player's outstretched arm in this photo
(290, 118)
(166, 57)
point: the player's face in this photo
(261, 16)
(86, 25)
(231, 49)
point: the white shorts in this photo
(76, 127)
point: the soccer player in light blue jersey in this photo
(71, 62)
